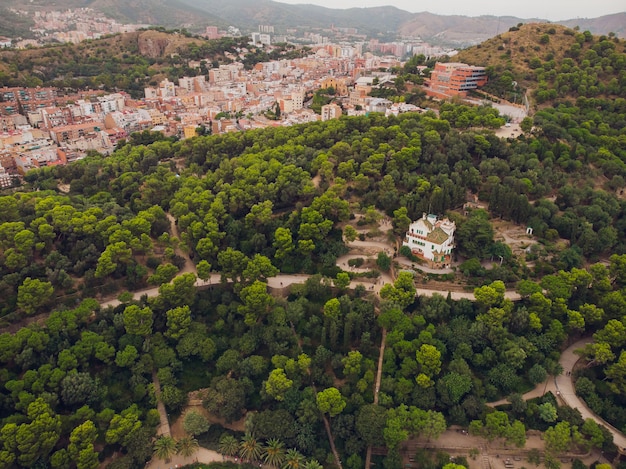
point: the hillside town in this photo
(80, 24)
(48, 126)
(68, 26)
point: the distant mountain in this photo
(195, 15)
(455, 29)
(250, 13)
(170, 13)
(602, 25)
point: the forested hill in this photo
(129, 61)
(553, 61)
(77, 385)
(247, 207)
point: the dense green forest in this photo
(77, 379)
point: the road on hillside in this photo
(565, 391)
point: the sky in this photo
(553, 10)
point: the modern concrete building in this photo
(453, 79)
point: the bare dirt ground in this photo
(513, 235)
(491, 455)
(512, 131)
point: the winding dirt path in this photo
(189, 265)
(379, 375)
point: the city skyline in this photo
(553, 11)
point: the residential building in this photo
(112, 102)
(455, 78)
(189, 131)
(331, 111)
(134, 120)
(36, 156)
(431, 240)
(222, 126)
(24, 100)
(212, 32)
(151, 93)
(377, 104)
(192, 84)
(167, 89)
(260, 38)
(6, 180)
(75, 131)
(223, 74)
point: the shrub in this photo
(195, 423)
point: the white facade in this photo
(330, 111)
(192, 84)
(431, 240)
(5, 178)
(112, 102)
(167, 89)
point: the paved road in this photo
(458, 295)
(542, 388)
(565, 390)
(563, 386)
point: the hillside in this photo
(600, 25)
(250, 13)
(109, 61)
(195, 15)
(12, 25)
(552, 60)
(158, 270)
(456, 29)
(158, 12)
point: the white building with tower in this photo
(432, 240)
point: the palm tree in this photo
(229, 446)
(293, 460)
(165, 447)
(313, 464)
(274, 452)
(187, 446)
(250, 449)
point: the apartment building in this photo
(75, 131)
(23, 100)
(455, 79)
(6, 180)
(192, 84)
(331, 111)
(212, 32)
(112, 102)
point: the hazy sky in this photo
(552, 10)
